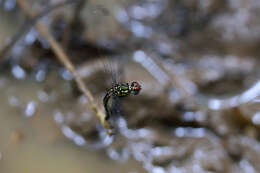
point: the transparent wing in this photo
(114, 70)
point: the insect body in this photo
(120, 90)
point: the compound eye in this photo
(136, 87)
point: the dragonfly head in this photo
(136, 88)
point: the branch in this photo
(63, 58)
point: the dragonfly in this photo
(118, 90)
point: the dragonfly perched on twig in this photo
(118, 90)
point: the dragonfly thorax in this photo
(121, 90)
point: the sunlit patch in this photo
(68, 132)
(30, 109)
(122, 15)
(79, 140)
(189, 116)
(31, 36)
(190, 132)
(40, 75)
(9, 5)
(58, 117)
(256, 118)
(247, 166)
(214, 104)
(65, 74)
(148, 63)
(121, 156)
(43, 96)
(161, 151)
(140, 30)
(18, 72)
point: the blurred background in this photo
(197, 62)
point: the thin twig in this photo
(60, 54)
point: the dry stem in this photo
(63, 58)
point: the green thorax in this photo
(121, 90)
